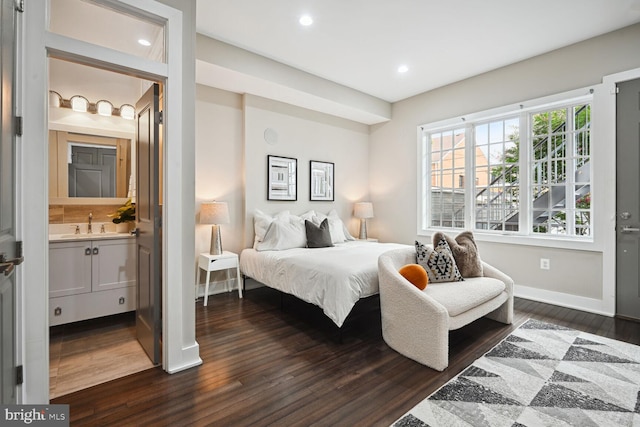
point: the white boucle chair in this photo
(416, 323)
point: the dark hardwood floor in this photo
(267, 365)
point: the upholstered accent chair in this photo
(416, 323)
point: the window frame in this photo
(523, 111)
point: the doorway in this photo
(180, 350)
(628, 200)
(92, 107)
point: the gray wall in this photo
(393, 151)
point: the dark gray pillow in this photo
(318, 237)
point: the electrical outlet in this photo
(545, 263)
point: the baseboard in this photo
(190, 358)
(590, 305)
(217, 287)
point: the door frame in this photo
(605, 107)
(9, 239)
(180, 350)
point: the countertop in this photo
(85, 236)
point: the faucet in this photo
(89, 231)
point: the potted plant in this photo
(125, 215)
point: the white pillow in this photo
(262, 221)
(336, 226)
(308, 216)
(345, 231)
(284, 233)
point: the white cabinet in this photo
(69, 268)
(113, 264)
(91, 278)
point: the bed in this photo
(332, 278)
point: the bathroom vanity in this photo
(91, 275)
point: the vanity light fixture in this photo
(79, 103)
(104, 108)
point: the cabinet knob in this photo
(87, 251)
(96, 250)
(121, 300)
(57, 311)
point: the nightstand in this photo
(225, 261)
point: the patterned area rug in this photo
(540, 375)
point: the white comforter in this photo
(332, 278)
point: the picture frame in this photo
(282, 178)
(321, 181)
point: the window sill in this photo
(515, 239)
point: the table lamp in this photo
(363, 210)
(214, 213)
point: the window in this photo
(524, 172)
(497, 175)
(447, 159)
(560, 167)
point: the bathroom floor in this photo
(84, 354)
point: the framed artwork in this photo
(282, 178)
(321, 176)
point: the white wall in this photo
(394, 173)
(305, 135)
(219, 168)
(231, 160)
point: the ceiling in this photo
(361, 43)
(102, 26)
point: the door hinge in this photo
(160, 118)
(18, 125)
(20, 5)
(19, 250)
(19, 375)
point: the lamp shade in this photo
(127, 112)
(55, 100)
(214, 213)
(79, 103)
(104, 107)
(363, 210)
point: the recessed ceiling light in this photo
(403, 69)
(144, 42)
(306, 20)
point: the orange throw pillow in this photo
(415, 274)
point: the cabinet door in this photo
(69, 268)
(114, 264)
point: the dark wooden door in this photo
(149, 290)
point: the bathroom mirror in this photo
(88, 168)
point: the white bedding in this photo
(332, 278)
